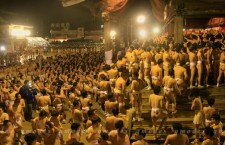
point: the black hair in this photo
(49, 124)
(119, 125)
(104, 135)
(160, 61)
(156, 89)
(211, 101)
(216, 117)
(177, 127)
(90, 112)
(30, 138)
(74, 126)
(141, 132)
(54, 113)
(76, 102)
(195, 92)
(95, 120)
(115, 111)
(209, 131)
(171, 72)
(43, 92)
(110, 96)
(136, 74)
(43, 113)
(83, 93)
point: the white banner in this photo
(108, 56)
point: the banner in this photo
(108, 56)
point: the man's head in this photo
(43, 114)
(43, 92)
(55, 113)
(103, 137)
(156, 89)
(84, 94)
(30, 139)
(95, 121)
(115, 111)
(209, 132)
(140, 133)
(75, 126)
(215, 119)
(211, 101)
(177, 127)
(110, 96)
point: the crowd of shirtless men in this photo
(75, 81)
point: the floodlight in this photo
(142, 33)
(2, 48)
(141, 19)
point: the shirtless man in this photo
(3, 117)
(217, 125)
(216, 60)
(147, 58)
(103, 140)
(110, 104)
(166, 61)
(170, 88)
(104, 90)
(7, 133)
(44, 101)
(177, 138)
(119, 63)
(77, 115)
(208, 135)
(31, 139)
(15, 116)
(197, 107)
(222, 66)
(104, 72)
(85, 102)
(181, 76)
(177, 53)
(193, 60)
(38, 124)
(156, 105)
(50, 134)
(93, 132)
(158, 55)
(134, 65)
(113, 75)
(140, 134)
(209, 111)
(207, 62)
(156, 72)
(111, 120)
(75, 134)
(136, 97)
(119, 136)
(120, 90)
(200, 65)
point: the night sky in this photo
(41, 13)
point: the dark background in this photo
(41, 13)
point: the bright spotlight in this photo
(112, 34)
(2, 48)
(142, 33)
(141, 19)
(156, 30)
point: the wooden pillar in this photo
(178, 29)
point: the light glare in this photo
(156, 30)
(2, 48)
(142, 33)
(141, 19)
(113, 33)
(20, 32)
